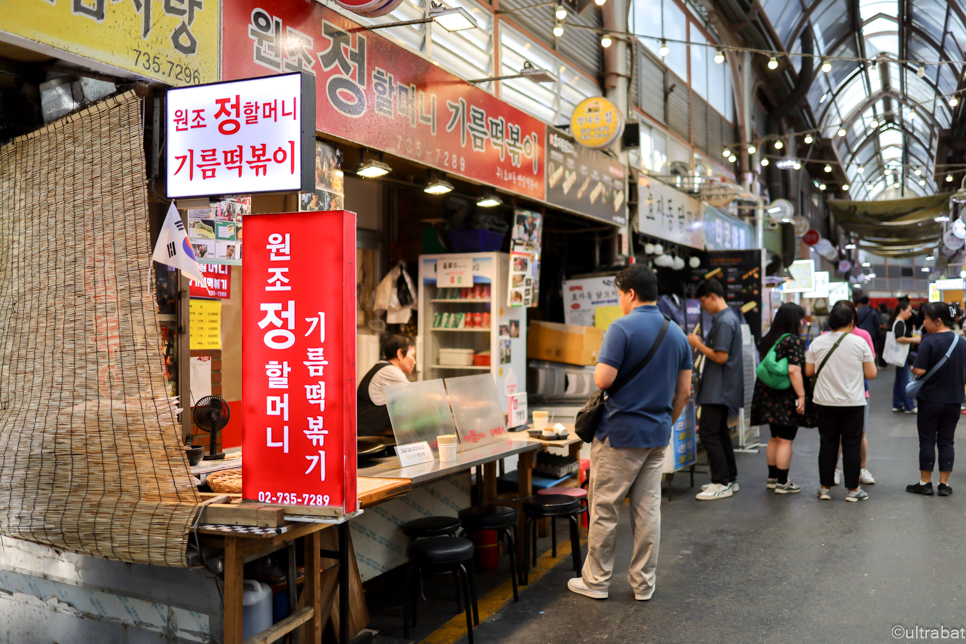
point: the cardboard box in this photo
(567, 343)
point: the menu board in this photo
(582, 297)
(739, 272)
(215, 233)
(585, 180)
(525, 247)
(205, 325)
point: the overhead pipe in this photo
(805, 77)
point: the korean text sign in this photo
(298, 359)
(241, 137)
(375, 93)
(218, 281)
(175, 41)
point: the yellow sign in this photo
(206, 325)
(604, 315)
(934, 295)
(173, 41)
(596, 123)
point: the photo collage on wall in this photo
(329, 181)
(525, 247)
(215, 233)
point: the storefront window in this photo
(653, 153)
(466, 53)
(411, 35)
(647, 22)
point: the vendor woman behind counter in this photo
(398, 361)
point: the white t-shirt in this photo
(391, 375)
(841, 383)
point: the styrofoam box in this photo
(456, 357)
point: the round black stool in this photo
(550, 506)
(430, 527)
(436, 555)
(503, 520)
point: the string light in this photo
(797, 166)
(922, 182)
(949, 178)
(861, 169)
(918, 172)
(727, 153)
(561, 12)
(921, 72)
(873, 124)
(828, 168)
(808, 139)
(599, 3)
(605, 41)
(821, 186)
(558, 30)
(764, 162)
(752, 149)
(846, 187)
(779, 145)
(826, 66)
(953, 102)
(663, 51)
(841, 131)
(912, 115)
(719, 57)
(773, 63)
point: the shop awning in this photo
(896, 228)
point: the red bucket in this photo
(486, 555)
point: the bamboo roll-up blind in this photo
(90, 456)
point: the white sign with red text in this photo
(241, 137)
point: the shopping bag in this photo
(895, 353)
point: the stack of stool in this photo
(550, 506)
(503, 520)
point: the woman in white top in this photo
(839, 361)
(399, 360)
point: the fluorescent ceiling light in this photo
(373, 169)
(458, 19)
(438, 187)
(489, 199)
(530, 72)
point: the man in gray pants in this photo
(628, 449)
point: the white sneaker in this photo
(645, 596)
(715, 491)
(865, 477)
(838, 477)
(578, 586)
(734, 486)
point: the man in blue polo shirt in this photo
(634, 432)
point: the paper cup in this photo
(540, 420)
(446, 439)
(447, 452)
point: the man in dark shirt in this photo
(721, 390)
(868, 318)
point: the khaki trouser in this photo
(615, 472)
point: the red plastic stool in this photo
(578, 493)
(584, 472)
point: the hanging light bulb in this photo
(773, 63)
(797, 165)
(921, 72)
(733, 159)
(828, 168)
(861, 169)
(841, 131)
(727, 153)
(873, 124)
(846, 187)
(719, 57)
(953, 101)
(764, 162)
(821, 186)
(605, 41)
(826, 66)
(558, 30)
(808, 138)
(779, 145)
(887, 172)
(599, 3)
(949, 178)
(918, 172)
(663, 51)
(752, 149)
(922, 182)
(561, 12)
(912, 115)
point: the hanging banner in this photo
(218, 280)
(668, 214)
(724, 232)
(596, 122)
(373, 92)
(175, 42)
(298, 357)
(739, 272)
(585, 180)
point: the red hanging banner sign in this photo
(375, 93)
(218, 278)
(298, 360)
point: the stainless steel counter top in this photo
(389, 467)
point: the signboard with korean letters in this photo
(298, 357)
(241, 137)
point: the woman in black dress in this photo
(782, 410)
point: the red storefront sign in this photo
(218, 278)
(298, 359)
(811, 237)
(375, 93)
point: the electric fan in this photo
(211, 414)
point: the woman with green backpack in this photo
(779, 398)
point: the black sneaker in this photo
(919, 488)
(944, 490)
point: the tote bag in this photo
(894, 353)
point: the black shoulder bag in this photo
(588, 418)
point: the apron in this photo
(372, 419)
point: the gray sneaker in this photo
(734, 486)
(858, 495)
(824, 494)
(771, 483)
(787, 488)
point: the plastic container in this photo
(257, 608)
(456, 357)
(481, 359)
(448, 452)
(484, 550)
(475, 241)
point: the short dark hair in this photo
(939, 311)
(855, 313)
(709, 287)
(392, 344)
(840, 317)
(639, 278)
(864, 300)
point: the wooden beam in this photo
(284, 627)
(261, 516)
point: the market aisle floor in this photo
(762, 567)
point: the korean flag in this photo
(174, 250)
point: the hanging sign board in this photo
(724, 232)
(596, 123)
(298, 357)
(839, 291)
(241, 137)
(205, 321)
(668, 213)
(801, 225)
(811, 237)
(585, 180)
(218, 279)
(802, 274)
(373, 92)
(821, 289)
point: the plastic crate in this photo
(475, 241)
